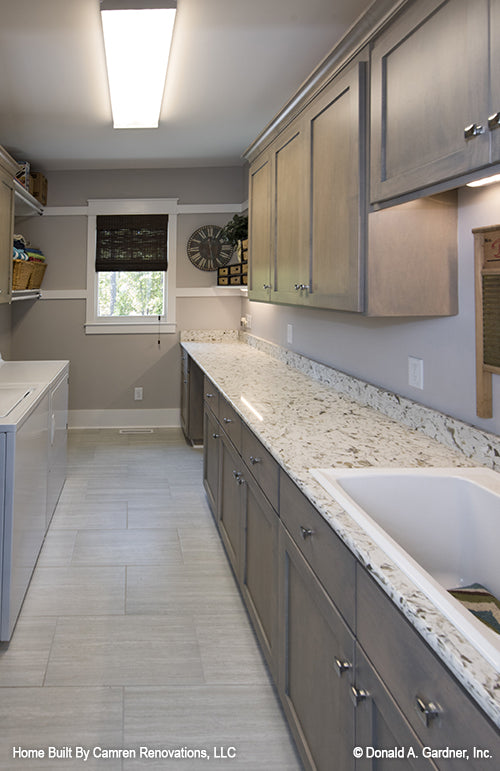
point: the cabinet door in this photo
(495, 81)
(312, 635)
(184, 393)
(260, 568)
(291, 251)
(336, 137)
(380, 725)
(259, 230)
(6, 230)
(230, 515)
(429, 82)
(438, 709)
(211, 444)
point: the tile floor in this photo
(133, 633)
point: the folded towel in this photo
(481, 603)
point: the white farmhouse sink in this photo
(440, 526)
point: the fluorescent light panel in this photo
(485, 181)
(137, 44)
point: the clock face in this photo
(207, 250)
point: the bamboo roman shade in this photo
(131, 242)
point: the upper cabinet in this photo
(307, 204)
(434, 96)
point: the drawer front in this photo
(412, 672)
(211, 395)
(330, 559)
(230, 422)
(262, 465)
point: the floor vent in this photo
(136, 430)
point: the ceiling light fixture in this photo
(137, 40)
(484, 181)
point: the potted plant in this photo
(236, 233)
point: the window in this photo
(131, 286)
(131, 259)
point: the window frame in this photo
(95, 324)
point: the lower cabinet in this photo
(259, 579)
(385, 740)
(316, 651)
(191, 399)
(350, 669)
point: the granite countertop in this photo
(306, 422)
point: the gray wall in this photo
(106, 368)
(377, 350)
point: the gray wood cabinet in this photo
(380, 725)
(323, 248)
(245, 517)
(259, 575)
(336, 145)
(259, 229)
(211, 445)
(439, 711)
(229, 513)
(313, 636)
(191, 399)
(350, 669)
(430, 96)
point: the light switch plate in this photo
(416, 372)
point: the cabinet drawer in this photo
(261, 464)
(211, 395)
(230, 422)
(411, 671)
(330, 559)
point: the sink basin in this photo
(440, 526)
(10, 397)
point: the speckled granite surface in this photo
(310, 416)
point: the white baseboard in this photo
(160, 418)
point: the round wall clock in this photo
(206, 248)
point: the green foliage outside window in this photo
(131, 293)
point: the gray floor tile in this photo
(213, 719)
(127, 547)
(124, 650)
(76, 591)
(133, 603)
(23, 661)
(32, 718)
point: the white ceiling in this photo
(233, 65)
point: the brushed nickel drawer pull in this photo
(215, 436)
(227, 420)
(209, 396)
(266, 286)
(473, 131)
(254, 460)
(306, 532)
(426, 712)
(358, 695)
(342, 666)
(494, 121)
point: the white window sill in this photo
(130, 328)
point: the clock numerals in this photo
(207, 250)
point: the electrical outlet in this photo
(289, 333)
(138, 394)
(249, 321)
(416, 372)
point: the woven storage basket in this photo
(36, 277)
(21, 274)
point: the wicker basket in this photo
(21, 274)
(36, 277)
